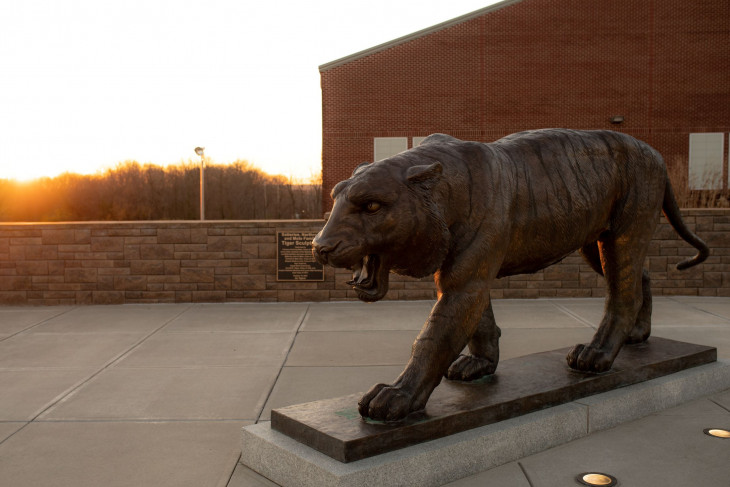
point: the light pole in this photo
(199, 151)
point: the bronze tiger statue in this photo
(471, 212)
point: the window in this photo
(389, 146)
(417, 141)
(706, 160)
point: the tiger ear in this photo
(359, 167)
(419, 174)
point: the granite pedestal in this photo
(532, 403)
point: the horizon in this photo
(88, 85)
(193, 163)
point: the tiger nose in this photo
(321, 250)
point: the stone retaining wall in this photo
(227, 261)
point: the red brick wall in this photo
(663, 65)
(142, 262)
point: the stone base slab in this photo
(521, 385)
(290, 463)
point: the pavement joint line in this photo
(104, 367)
(720, 405)
(15, 432)
(194, 367)
(524, 472)
(24, 330)
(34, 369)
(57, 398)
(225, 478)
(141, 420)
(355, 366)
(689, 304)
(659, 326)
(302, 319)
(379, 330)
(233, 332)
(144, 339)
(572, 314)
(710, 313)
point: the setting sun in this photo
(88, 84)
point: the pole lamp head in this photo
(199, 151)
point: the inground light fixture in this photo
(717, 433)
(594, 479)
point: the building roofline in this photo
(416, 35)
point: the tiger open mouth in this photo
(370, 278)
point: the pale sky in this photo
(85, 84)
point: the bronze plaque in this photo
(294, 259)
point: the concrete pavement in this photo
(137, 395)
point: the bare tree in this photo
(131, 191)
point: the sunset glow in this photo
(88, 84)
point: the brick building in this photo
(656, 69)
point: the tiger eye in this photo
(373, 206)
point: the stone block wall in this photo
(229, 261)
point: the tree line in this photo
(131, 191)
